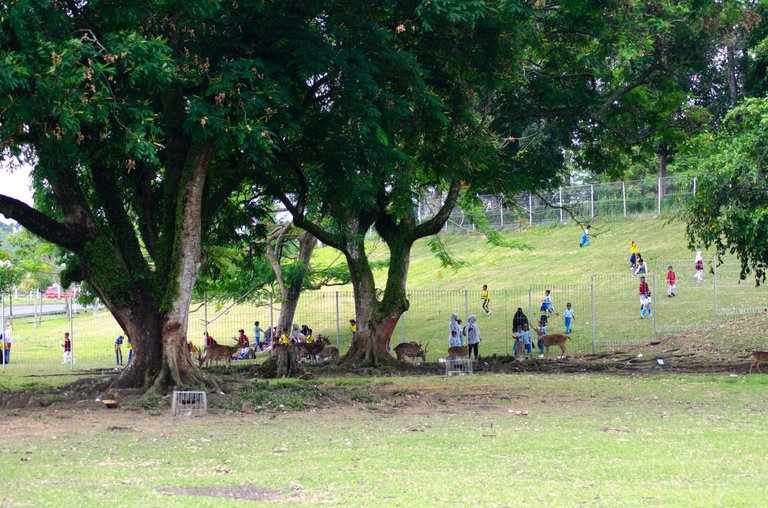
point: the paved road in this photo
(27, 310)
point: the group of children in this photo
(119, 350)
(638, 266)
(520, 325)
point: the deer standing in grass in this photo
(217, 352)
(551, 340)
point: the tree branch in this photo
(436, 223)
(69, 236)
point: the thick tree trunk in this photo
(377, 319)
(284, 362)
(161, 358)
(290, 301)
(291, 292)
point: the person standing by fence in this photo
(568, 316)
(473, 336)
(519, 319)
(670, 283)
(257, 335)
(644, 291)
(6, 341)
(67, 346)
(698, 265)
(454, 331)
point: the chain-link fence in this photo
(606, 307)
(584, 202)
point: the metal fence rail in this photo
(610, 200)
(606, 306)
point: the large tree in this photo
(140, 120)
(451, 98)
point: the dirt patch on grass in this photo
(247, 492)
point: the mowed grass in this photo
(586, 440)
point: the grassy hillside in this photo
(517, 278)
(553, 255)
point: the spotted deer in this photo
(556, 339)
(216, 352)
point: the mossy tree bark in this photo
(140, 134)
(150, 305)
(377, 312)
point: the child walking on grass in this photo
(698, 265)
(67, 346)
(585, 237)
(486, 297)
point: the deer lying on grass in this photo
(217, 352)
(458, 351)
(410, 350)
(328, 353)
(552, 340)
(757, 357)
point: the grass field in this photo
(517, 278)
(508, 440)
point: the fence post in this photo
(658, 191)
(714, 275)
(501, 210)
(530, 208)
(530, 303)
(624, 197)
(592, 298)
(694, 185)
(338, 330)
(466, 305)
(71, 337)
(205, 319)
(653, 282)
(591, 201)
(560, 192)
(272, 317)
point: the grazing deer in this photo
(552, 340)
(217, 352)
(757, 357)
(456, 351)
(410, 350)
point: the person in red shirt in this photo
(670, 283)
(67, 346)
(644, 292)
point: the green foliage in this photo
(263, 396)
(729, 212)
(149, 401)
(438, 248)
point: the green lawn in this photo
(586, 440)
